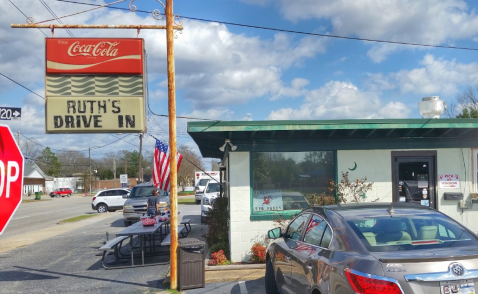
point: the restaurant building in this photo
(271, 166)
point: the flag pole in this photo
(172, 142)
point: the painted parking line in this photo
(242, 286)
(20, 217)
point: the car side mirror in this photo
(274, 233)
(126, 196)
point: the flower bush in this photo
(258, 253)
(218, 258)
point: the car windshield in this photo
(213, 187)
(144, 192)
(203, 182)
(414, 231)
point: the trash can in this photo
(37, 195)
(191, 262)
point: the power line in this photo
(290, 31)
(55, 16)
(21, 85)
(27, 17)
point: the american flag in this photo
(161, 165)
(312, 224)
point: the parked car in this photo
(61, 192)
(211, 192)
(372, 248)
(109, 200)
(135, 207)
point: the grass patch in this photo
(190, 201)
(33, 200)
(77, 218)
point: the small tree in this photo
(353, 191)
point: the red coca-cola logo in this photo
(94, 56)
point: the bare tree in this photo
(189, 165)
(73, 163)
(466, 105)
(30, 150)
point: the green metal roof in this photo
(297, 135)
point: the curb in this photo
(235, 267)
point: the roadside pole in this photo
(172, 142)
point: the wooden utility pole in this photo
(114, 171)
(89, 156)
(140, 172)
(172, 142)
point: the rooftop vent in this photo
(431, 107)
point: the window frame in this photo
(327, 225)
(474, 159)
(301, 237)
(282, 214)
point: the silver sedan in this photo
(372, 248)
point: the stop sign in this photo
(11, 176)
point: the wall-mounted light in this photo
(227, 141)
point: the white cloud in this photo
(247, 117)
(295, 90)
(426, 21)
(434, 77)
(341, 100)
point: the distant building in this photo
(33, 179)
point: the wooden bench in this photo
(183, 231)
(114, 244)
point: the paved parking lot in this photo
(68, 260)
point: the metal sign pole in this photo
(172, 141)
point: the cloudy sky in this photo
(233, 72)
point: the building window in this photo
(475, 168)
(285, 181)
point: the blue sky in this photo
(231, 72)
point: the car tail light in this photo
(94, 198)
(362, 284)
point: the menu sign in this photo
(267, 200)
(449, 181)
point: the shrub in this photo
(218, 258)
(217, 237)
(258, 253)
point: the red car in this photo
(61, 192)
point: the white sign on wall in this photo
(267, 200)
(123, 179)
(449, 181)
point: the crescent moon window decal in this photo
(355, 166)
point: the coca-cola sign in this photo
(94, 56)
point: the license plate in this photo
(457, 287)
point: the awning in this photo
(311, 135)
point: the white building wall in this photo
(376, 165)
(242, 231)
(61, 183)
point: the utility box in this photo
(191, 263)
(453, 195)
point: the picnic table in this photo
(144, 232)
(146, 237)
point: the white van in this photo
(201, 179)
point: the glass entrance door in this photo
(414, 180)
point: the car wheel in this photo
(271, 285)
(198, 201)
(127, 223)
(69, 195)
(102, 208)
